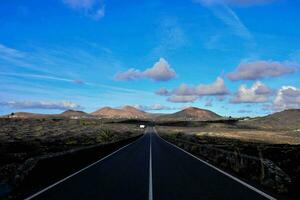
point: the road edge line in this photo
(79, 171)
(221, 171)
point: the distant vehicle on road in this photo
(142, 126)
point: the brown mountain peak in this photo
(127, 112)
(191, 108)
(191, 114)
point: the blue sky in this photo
(234, 57)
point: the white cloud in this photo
(237, 2)
(156, 106)
(162, 92)
(216, 88)
(184, 90)
(16, 58)
(92, 8)
(262, 69)
(229, 17)
(41, 105)
(185, 106)
(131, 74)
(287, 97)
(186, 93)
(55, 78)
(263, 90)
(257, 93)
(99, 13)
(182, 99)
(46, 66)
(10, 52)
(80, 4)
(161, 71)
(38, 76)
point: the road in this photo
(150, 168)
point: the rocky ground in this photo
(266, 158)
(24, 141)
(236, 132)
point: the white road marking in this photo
(150, 171)
(219, 170)
(64, 179)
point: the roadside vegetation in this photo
(269, 164)
(31, 145)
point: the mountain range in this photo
(288, 118)
(128, 112)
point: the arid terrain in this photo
(26, 141)
(263, 151)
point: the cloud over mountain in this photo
(216, 88)
(262, 69)
(161, 71)
(257, 93)
(64, 105)
(184, 90)
(185, 93)
(287, 97)
(182, 99)
(156, 106)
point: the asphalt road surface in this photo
(150, 168)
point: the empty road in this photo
(150, 168)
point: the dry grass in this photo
(271, 137)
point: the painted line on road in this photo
(219, 170)
(150, 171)
(64, 179)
